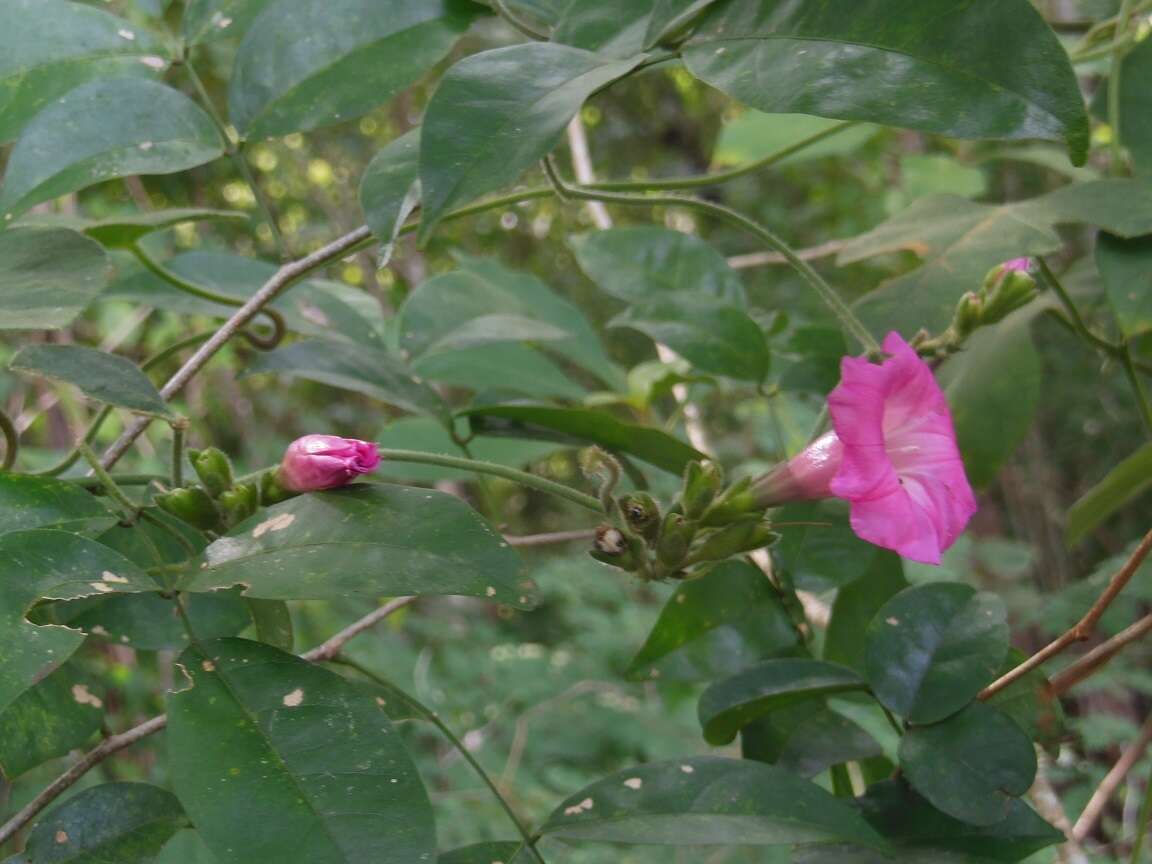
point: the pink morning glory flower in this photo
(892, 455)
(317, 462)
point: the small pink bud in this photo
(1019, 265)
(317, 462)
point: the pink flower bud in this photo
(317, 462)
(1019, 265)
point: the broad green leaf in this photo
(644, 262)
(489, 329)
(185, 847)
(580, 427)
(501, 367)
(710, 335)
(897, 812)
(149, 622)
(971, 765)
(390, 187)
(1126, 267)
(977, 389)
(616, 29)
(447, 304)
(103, 377)
(276, 759)
(57, 714)
(122, 232)
(497, 113)
(367, 541)
(707, 801)
(428, 436)
(855, 606)
(48, 47)
(818, 547)
(544, 12)
(858, 60)
(754, 135)
(806, 737)
(1128, 480)
(373, 372)
(113, 822)
(671, 18)
(1027, 701)
(47, 277)
(1135, 117)
(303, 64)
(273, 622)
(205, 20)
(42, 502)
(932, 648)
(487, 853)
(715, 626)
(55, 565)
(102, 130)
(924, 174)
(732, 703)
(960, 241)
(149, 544)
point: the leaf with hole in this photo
(275, 758)
(206, 20)
(707, 801)
(47, 277)
(303, 64)
(103, 130)
(971, 765)
(57, 714)
(856, 60)
(732, 703)
(714, 626)
(932, 648)
(367, 541)
(99, 375)
(496, 113)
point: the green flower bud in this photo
(676, 534)
(611, 546)
(192, 505)
(969, 315)
(642, 514)
(702, 480)
(737, 502)
(238, 503)
(732, 540)
(1006, 288)
(213, 468)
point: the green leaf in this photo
(149, 622)
(643, 262)
(670, 18)
(367, 541)
(122, 232)
(1027, 701)
(102, 130)
(1126, 267)
(1128, 480)
(732, 703)
(48, 47)
(855, 606)
(977, 389)
(707, 801)
(279, 760)
(55, 565)
(580, 427)
(932, 648)
(41, 502)
(806, 738)
(497, 113)
(57, 714)
(100, 376)
(427, 436)
(273, 622)
(711, 336)
(373, 372)
(1135, 118)
(971, 765)
(505, 367)
(818, 547)
(616, 29)
(185, 847)
(302, 64)
(715, 626)
(754, 135)
(897, 812)
(205, 20)
(390, 187)
(47, 277)
(440, 308)
(486, 853)
(113, 822)
(926, 65)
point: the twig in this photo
(1049, 806)
(549, 539)
(760, 259)
(283, 277)
(116, 743)
(1112, 780)
(1068, 678)
(1083, 628)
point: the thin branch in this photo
(761, 259)
(549, 539)
(1049, 806)
(11, 441)
(115, 743)
(1087, 665)
(1111, 782)
(1083, 628)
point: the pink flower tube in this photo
(892, 456)
(317, 462)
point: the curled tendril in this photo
(11, 441)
